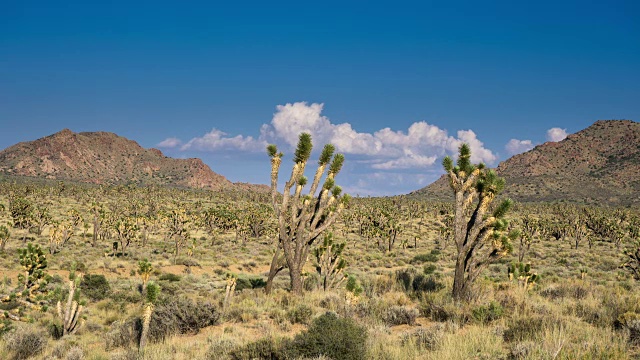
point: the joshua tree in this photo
(302, 219)
(479, 234)
(153, 290)
(4, 237)
(71, 312)
(144, 270)
(329, 262)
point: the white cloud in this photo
(515, 146)
(169, 143)
(556, 134)
(218, 140)
(417, 148)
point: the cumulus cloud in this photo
(515, 146)
(556, 134)
(169, 143)
(418, 147)
(218, 140)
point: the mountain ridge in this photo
(102, 157)
(599, 164)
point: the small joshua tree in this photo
(479, 234)
(73, 308)
(329, 262)
(144, 270)
(522, 273)
(4, 237)
(153, 290)
(302, 219)
(31, 291)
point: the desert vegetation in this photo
(129, 272)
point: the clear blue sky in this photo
(155, 70)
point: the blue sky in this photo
(391, 83)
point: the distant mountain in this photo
(600, 164)
(106, 158)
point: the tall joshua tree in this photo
(303, 218)
(480, 234)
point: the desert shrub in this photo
(353, 285)
(188, 262)
(126, 296)
(220, 349)
(437, 308)
(95, 287)
(243, 311)
(429, 269)
(264, 348)
(75, 353)
(312, 282)
(180, 315)
(485, 314)
(300, 314)
(123, 334)
(399, 315)
(24, 343)
(521, 350)
(631, 322)
(413, 282)
(423, 283)
(331, 336)
(245, 282)
(331, 302)
(169, 277)
(427, 257)
(525, 328)
(426, 338)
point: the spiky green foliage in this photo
(303, 150)
(144, 270)
(327, 153)
(33, 261)
(152, 293)
(336, 164)
(272, 150)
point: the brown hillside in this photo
(103, 157)
(600, 164)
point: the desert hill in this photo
(105, 158)
(600, 164)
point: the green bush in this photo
(300, 314)
(95, 287)
(353, 285)
(331, 336)
(169, 277)
(421, 258)
(245, 282)
(486, 314)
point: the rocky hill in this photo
(105, 158)
(600, 164)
